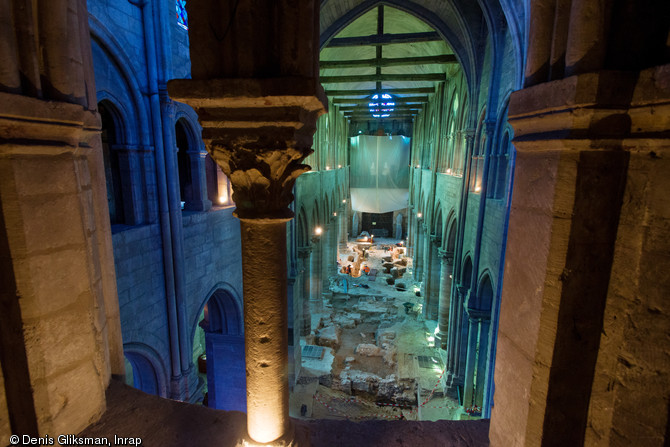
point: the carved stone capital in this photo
(447, 256)
(304, 252)
(258, 131)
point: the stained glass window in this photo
(182, 16)
(381, 105)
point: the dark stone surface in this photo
(168, 423)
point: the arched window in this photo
(112, 167)
(466, 277)
(183, 162)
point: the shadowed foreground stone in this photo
(168, 423)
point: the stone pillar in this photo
(334, 245)
(60, 332)
(458, 335)
(344, 226)
(316, 273)
(305, 270)
(455, 310)
(595, 189)
(199, 200)
(471, 358)
(410, 231)
(226, 385)
(426, 257)
(444, 305)
(265, 327)
(398, 226)
(482, 359)
(258, 111)
(434, 280)
(418, 250)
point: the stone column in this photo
(305, 270)
(262, 158)
(60, 314)
(334, 241)
(344, 227)
(482, 359)
(316, 274)
(595, 189)
(418, 250)
(473, 336)
(199, 200)
(458, 335)
(258, 111)
(434, 280)
(455, 312)
(427, 272)
(444, 305)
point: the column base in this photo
(441, 339)
(295, 437)
(187, 387)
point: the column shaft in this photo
(444, 304)
(418, 252)
(265, 327)
(482, 359)
(468, 389)
(305, 271)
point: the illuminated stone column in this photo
(262, 157)
(258, 111)
(444, 305)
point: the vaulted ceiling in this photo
(385, 50)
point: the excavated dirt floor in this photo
(380, 362)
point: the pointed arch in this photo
(466, 271)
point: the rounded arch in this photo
(149, 374)
(191, 129)
(112, 106)
(227, 302)
(133, 108)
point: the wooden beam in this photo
(411, 77)
(391, 62)
(371, 118)
(367, 109)
(384, 39)
(398, 100)
(393, 91)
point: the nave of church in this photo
(340, 219)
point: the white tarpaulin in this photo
(379, 173)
